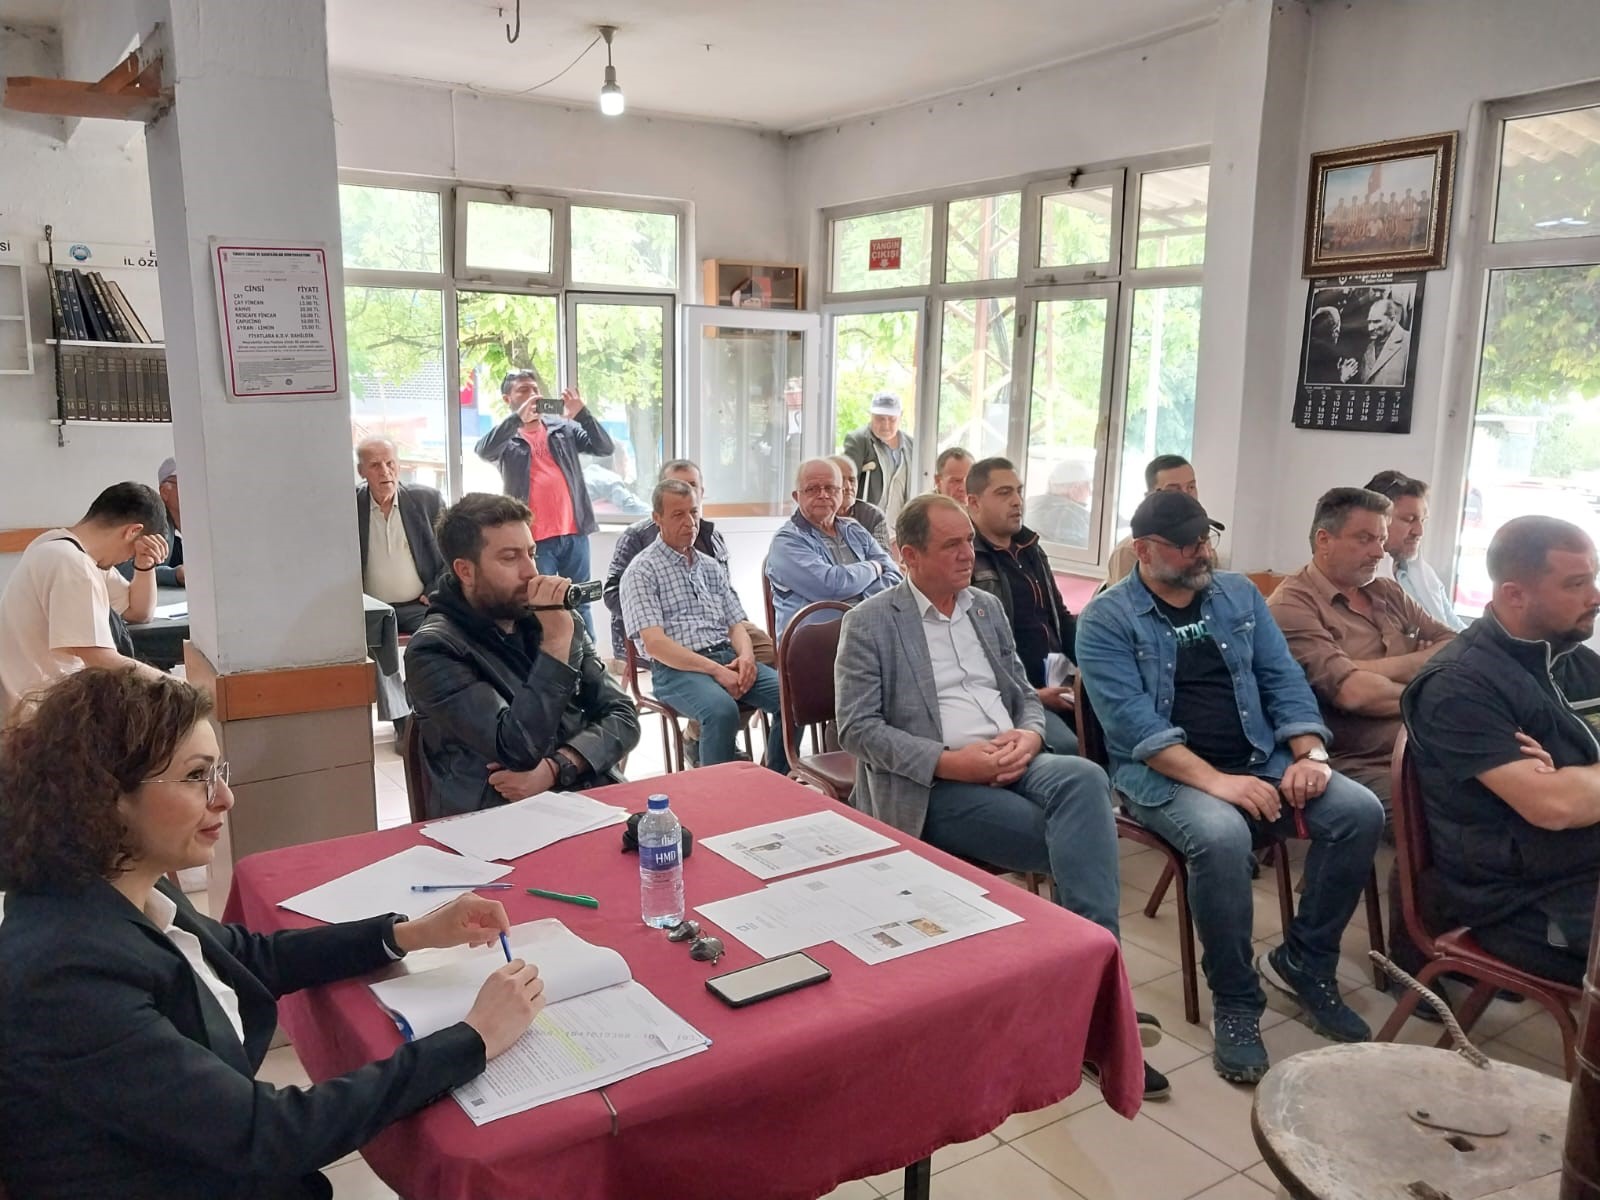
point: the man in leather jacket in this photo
(510, 697)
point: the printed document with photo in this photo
(784, 847)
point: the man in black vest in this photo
(400, 559)
(1503, 724)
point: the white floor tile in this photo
(1206, 1110)
(1101, 1156)
(856, 1189)
(943, 1158)
(355, 1181)
(1240, 1187)
(1001, 1174)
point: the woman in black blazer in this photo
(131, 1027)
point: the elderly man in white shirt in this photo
(400, 558)
(1404, 562)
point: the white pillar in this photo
(1252, 224)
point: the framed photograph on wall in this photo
(1358, 353)
(1380, 207)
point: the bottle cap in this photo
(657, 803)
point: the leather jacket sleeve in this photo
(492, 444)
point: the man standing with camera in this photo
(536, 449)
(509, 696)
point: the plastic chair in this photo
(805, 682)
(1456, 949)
(416, 769)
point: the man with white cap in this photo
(884, 457)
(170, 572)
(1062, 513)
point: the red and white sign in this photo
(884, 254)
(275, 308)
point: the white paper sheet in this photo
(578, 1045)
(171, 612)
(512, 830)
(940, 918)
(385, 886)
(432, 990)
(1058, 670)
(783, 847)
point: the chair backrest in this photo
(415, 767)
(1091, 734)
(805, 673)
(1266, 581)
(766, 599)
(1413, 851)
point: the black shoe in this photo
(1149, 1029)
(400, 728)
(1156, 1086)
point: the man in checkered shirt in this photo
(680, 608)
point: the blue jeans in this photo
(566, 555)
(1056, 819)
(701, 698)
(1215, 839)
(1059, 737)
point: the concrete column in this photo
(1252, 224)
(247, 152)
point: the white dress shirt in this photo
(161, 911)
(391, 571)
(1419, 581)
(970, 705)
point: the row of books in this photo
(89, 308)
(100, 385)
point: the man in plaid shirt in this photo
(681, 610)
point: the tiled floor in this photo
(1195, 1146)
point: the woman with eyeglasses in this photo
(131, 1027)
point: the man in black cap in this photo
(1216, 742)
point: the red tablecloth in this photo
(868, 1072)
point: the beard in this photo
(509, 605)
(1195, 576)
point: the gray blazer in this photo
(888, 707)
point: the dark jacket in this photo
(121, 1076)
(1462, 712)
(480, 696)
(419, 510)
(872, 464)
(1030, 556)
(503, 445)
(634, 539)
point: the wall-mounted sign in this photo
(883, 254)
(275, 308)
(1358, 353)
(100, 255)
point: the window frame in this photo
(1031, 252)
(511, 198)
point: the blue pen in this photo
(505, 945)
(460, 887)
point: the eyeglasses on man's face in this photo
(210, 777)
(821, 489)
(1191, 550)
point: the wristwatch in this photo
(1316, 754)
(567, 771)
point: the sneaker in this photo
(1240, 1055)
(1156, 1086)
(691, 752)
(1319, 998)
(1149, 1029)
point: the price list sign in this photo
(1358, 357)
(276, 312)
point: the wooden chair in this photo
(1456, 949)
(766, 601)
(415, 768)
(671, 718)
(805, 682)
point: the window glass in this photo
(1549, 177)
(1075, 227)
(621, 374)
(623, 248)
(982, 239)
(1172, 217)
(875, 352)
(975, 374)
(496, 333)
(904, 236)
(388, 229)
(1163, 361)
(508, 237)
(1068, 374)
(395, 338)
(752, 383)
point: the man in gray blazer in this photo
(934, 703)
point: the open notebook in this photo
(598, 1025)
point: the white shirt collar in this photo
(161, 910)
(925, 606)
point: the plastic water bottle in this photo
(660, 866)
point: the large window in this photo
(1062, 314)
(1535, 445)
(450, 288)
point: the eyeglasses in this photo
(1191, 550)
(217, 773)
(821, 489)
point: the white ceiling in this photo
(779, 64)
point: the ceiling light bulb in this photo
(611, 99)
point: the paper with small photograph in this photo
(385, 886)
(939, 919)
(784, 847)
(511, 830)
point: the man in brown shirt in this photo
(1359, 638)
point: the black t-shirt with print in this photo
(1203, 703)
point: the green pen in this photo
(586, 901)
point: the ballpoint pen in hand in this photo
(460, 887)
(585, 901)
(505, 944)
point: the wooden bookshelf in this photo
(103, 345)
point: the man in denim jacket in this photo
(1215, 739)
(818, 555)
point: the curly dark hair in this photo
(90, 739)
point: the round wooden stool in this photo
(1394, 1122)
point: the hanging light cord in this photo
(564, 69)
